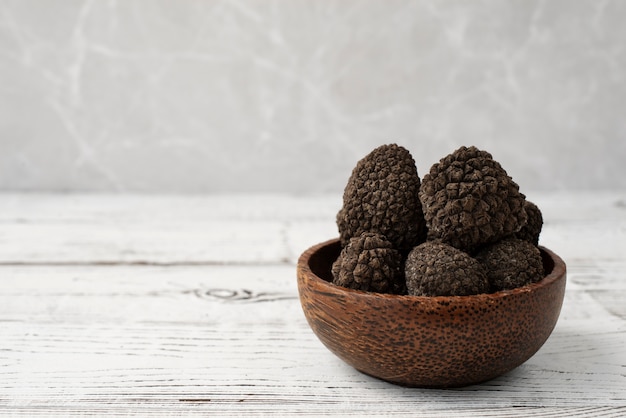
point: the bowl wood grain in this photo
(443, 341)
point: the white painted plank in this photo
(42, 207)
(246, 229)
(232, 340)
(114, 242)
(49, 229)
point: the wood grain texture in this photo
(191, 323)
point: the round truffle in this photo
(382, 196)
(469, 200)
(530, 232)
(511, 263)
(438, 269)
(368, 262)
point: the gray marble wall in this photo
(286, 95)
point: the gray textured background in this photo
(285, 96)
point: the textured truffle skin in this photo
(382, 196)
(511, 263)
(469, 200)
(531, 231)
(368, 262)
(437, 269)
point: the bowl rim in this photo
(558, 272)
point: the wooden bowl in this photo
(442, 341)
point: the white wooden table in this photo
(169, 305)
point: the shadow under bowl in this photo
(421, 341)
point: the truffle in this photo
(437, 269)
(530, 232)
(382, 196)
(511, 263)
(368, 262)
(469, 200)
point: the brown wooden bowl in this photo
(442, 341)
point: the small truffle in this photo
(511, 263)
(530, 232)
(469, 200)
(437, 269)
(382, 196)
(368, 262)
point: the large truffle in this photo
(368, 262)
(530, 232)
(382, 196)
(437, 269)
(511, 263)
(469, 200)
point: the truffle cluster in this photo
(464, 229)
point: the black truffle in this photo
(382, 196)
(469, 200)
(437, 269)
(368, 262)
(530, 232)
(511, 263)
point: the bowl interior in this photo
(321, 261)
